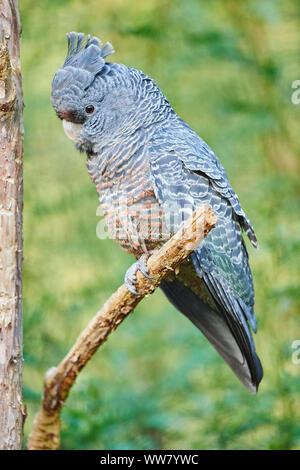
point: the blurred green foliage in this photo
(227, 68)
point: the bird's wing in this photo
(181, 144)
(230, 338)
(186, 174)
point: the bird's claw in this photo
(130, 276)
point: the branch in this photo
(59, 380)
(12, 413)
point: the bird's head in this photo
(99, 101)
(92, 97)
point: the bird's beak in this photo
(71, 129)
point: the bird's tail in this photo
(232, 340)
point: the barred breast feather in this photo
(123, 181)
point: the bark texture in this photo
(11, 200)
(59, 380)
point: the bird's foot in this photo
(130, 276)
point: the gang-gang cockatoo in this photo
(151, 171)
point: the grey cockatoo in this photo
(151, 169)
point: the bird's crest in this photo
(87, 53)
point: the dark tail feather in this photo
(229, 338)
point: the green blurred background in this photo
(227, 68)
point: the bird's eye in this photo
(89, 109)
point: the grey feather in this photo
(86, 53)
(232, 341)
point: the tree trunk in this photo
(11, 192)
